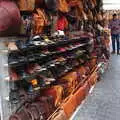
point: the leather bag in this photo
(56, 92)
(63, 6)
(40, 21)
(70, 81)
(9, 18)
(26, 5)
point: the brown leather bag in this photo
(63, 6)
(70, 81)
(49, 103)
(40, 21)
(56, 92)
(22, 115)
(90, 15)
(26, 5)
(9, 18)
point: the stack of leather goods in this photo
(65, 52)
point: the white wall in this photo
(111, 4)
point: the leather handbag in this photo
(40, 21)
(82, 71)
(63, 6)
(41, 109)
(22, 115)
(70, 81)
(9, 18)
(26, 5)
(49, 103)
(56, 92)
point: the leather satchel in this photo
(49, 103)
(56, 92)
(70, 81)
(26, 5)
(40, 21)
(22, 115)
(9, 18)
(63, 6)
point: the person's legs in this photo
(113, 43)
(118, 43)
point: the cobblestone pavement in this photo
(104, 101)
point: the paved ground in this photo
(104, 102)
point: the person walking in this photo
(114, 25)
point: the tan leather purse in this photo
(40, 20)
(63, 6)
(71, 81)
(56, 92)
(26, 5)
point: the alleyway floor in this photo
(104, 101)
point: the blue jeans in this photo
(115, 39)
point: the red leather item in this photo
(39, 2)
(61, 49)
(62, 23)
(9, 17)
